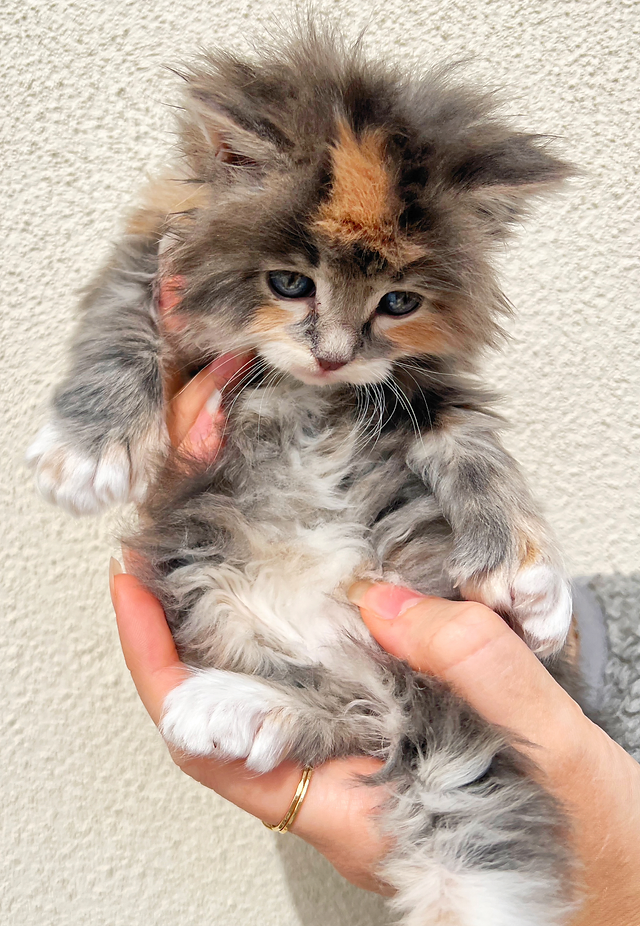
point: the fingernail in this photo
(226, 366)
(203, 425)
(385, 601)
(115, 569)
(212, 404)
(357, 591)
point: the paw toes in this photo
(267, 750)
(538, 597)
(79, 480)
(63, 473)
(46, 437)
(112, 475)
(73, 491)
(227, 715)
(544, 606)
(198, 719)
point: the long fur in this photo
(358, 445)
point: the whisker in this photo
(379, 408)
(383, 408)
(248, 378)
(271, 380)
(366, 421)
(356, 435)
(397, 389)
(249, 363)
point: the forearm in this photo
(114, 384)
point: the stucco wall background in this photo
(97, 825)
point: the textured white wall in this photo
(97, 825)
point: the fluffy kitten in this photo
(337, 218)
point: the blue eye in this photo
(399, 303)
(291, 285)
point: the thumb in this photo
(195, 416)
(472, 649)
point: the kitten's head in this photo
(346, 212)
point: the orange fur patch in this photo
(269, 319)
(362, 206)
(424, 334)
(572, 646)
(530, 551)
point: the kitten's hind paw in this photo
(228, 715)
(85, 481)
(536, 596)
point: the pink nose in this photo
(329, 365)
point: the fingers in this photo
(337, 816)
(147, 644)
(340, 818)
(169, 296)
(195, 414)
(473, 649)
(195, 417)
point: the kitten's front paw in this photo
(537, 596)
(85, 481)
(229, 715)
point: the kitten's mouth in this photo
(318, 377)
(355, 373)
(321, 376)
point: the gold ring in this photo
(294, 807)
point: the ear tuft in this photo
(222, 121)
(502, 174)
(211, 136)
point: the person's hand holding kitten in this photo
(463, 643)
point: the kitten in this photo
(337, 218)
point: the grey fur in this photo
(114, 387)
(401, 477)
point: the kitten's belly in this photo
(307, 512)
(291, 594)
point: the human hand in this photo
(337, 816)
(597, 782)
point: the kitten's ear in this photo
(501, 175)
(211, 134)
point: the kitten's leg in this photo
(237, 716)
(502, 553)
(477, 842)
(107, 423)
(107, 430)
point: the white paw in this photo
(85, 483)
(537, 596)
(226, 714)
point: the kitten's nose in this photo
(330, 365)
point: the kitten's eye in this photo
(291, 285)
(399, 303)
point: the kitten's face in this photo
(347, 216)
(319, 272)
(346, 317)
(326, 325)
